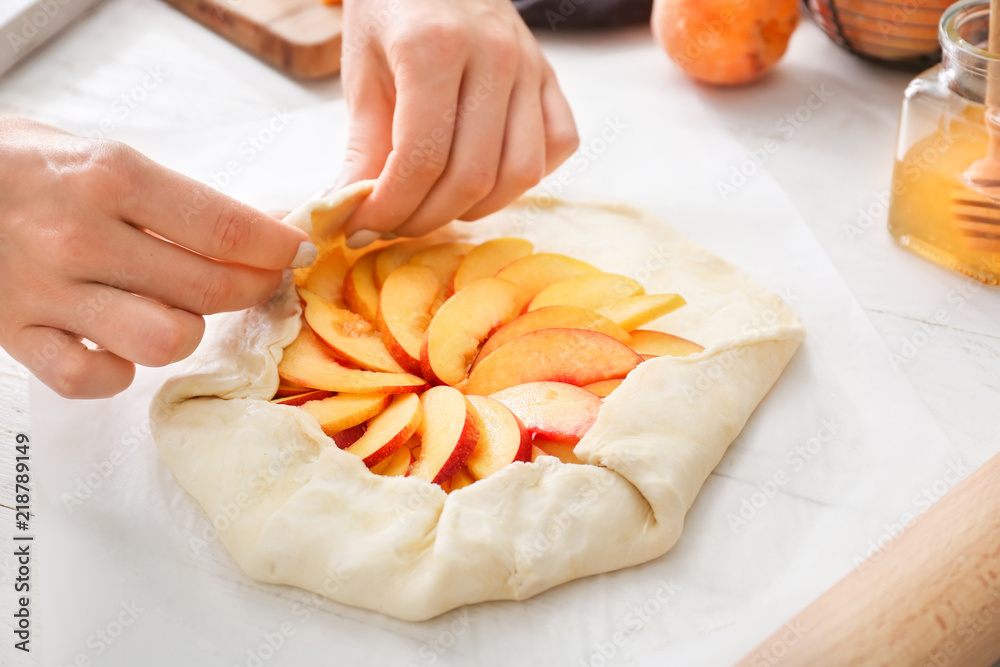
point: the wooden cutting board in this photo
(300, 37)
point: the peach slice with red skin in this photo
(633, 312)
(447, 433)
(657, 343)
(410, 296)
(460, 326)
(304, 397)
(574, 356)
(348, 436)
(485, 260)
(343, 411)
(551, 317)
(310, 363)
(443, 258)
(390, 430)
(589, 291)
(396, 465)
(360, 292)
(503, 439)
(348, 334)
(552, 410)
(534, 273)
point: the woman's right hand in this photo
(98, 242)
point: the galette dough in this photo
(312, 516)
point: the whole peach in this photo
(725, 42)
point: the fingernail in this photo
(361, 238)
(389, 236)
(307, 254)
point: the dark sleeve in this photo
(557, 14)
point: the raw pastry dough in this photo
(312, 516)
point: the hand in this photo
(98, 242)
(453, 109)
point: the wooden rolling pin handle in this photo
(930, 598)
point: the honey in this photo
(934, 211)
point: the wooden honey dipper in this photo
(977, 207)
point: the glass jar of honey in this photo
(941, 208)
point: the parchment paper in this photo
(836, 458)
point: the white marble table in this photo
(834, 162)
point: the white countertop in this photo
(834, 165)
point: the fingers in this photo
(199, 217)
(66, 365)
(522, 164)
(131, 327)
(474, 161)
(422, 133)
(132, 260)
(370, 99)
(561, 137)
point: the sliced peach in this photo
(343, 411)
(304, 397)
(360, 293)
(396, 465)
(327, 275)
(633, 312)
(286, 389)
(535, 453)
(461, 479)
(390, 430)
(444, 258)
(551, 317)
(552, 410)
(646, 341)
(447, 433)
(534, 273)
(392, 257)
(604, 387)
(348, 334)
(409, 298)
(575, 356)
(503, 439)
(485, 260)
(460, 326)
(589, 291)
(310, 363)
(561, 450)
(348, 436)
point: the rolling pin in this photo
(930, 598)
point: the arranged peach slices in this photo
(448, 362)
